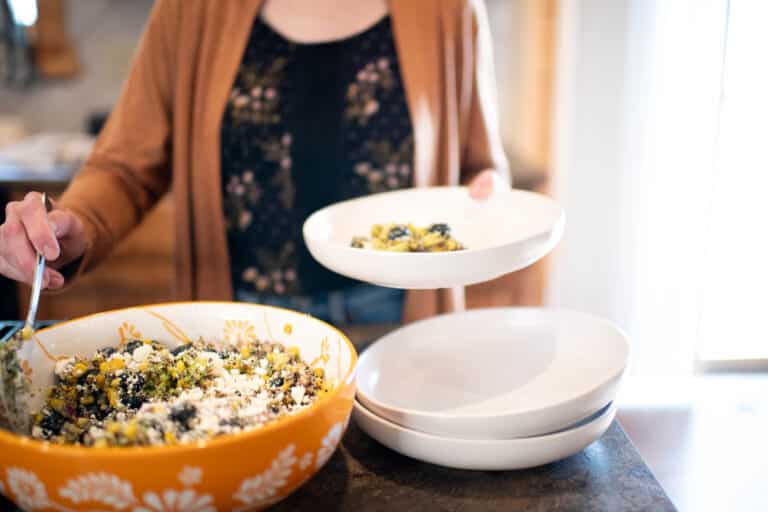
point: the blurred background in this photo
(646, 119)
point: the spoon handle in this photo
(37, 283)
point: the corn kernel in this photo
(245, 352)
(113, 398)
(103, 367)
(294, 352)
(170, 438)
(100, 443)
(56, 403)
(281, 360)
(87, 400)
(113, 428)
(131, 430)
(319, 372)
(79, 369)
(180, 366)
(100, 380)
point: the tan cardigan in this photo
(164, 130)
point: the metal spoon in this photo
(37, 285)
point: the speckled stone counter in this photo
(609, 475)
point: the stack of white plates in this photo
(487, 389)
(492, 389)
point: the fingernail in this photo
(56, 281)
(50, 252)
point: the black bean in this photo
(133, 401)
(276, 382)
(132, 383)
(398, 232)
(133, 345)
(441, 228)
(231, 422)
(52, 423)
(93, 372)
(183, 413)
(107, 351)
(181, 348)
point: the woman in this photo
(258, 112)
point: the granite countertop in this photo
(609, 475)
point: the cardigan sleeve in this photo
(482, 147)
(128, 169)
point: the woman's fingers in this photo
(52, 279)
(32, 214)
(17, 256)
(29, 229)
(71, 236)
(482, 186)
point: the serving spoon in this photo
(18, 395)
(37, 284)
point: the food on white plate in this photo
(409, 238)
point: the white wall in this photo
(636, 117)
(588, 156)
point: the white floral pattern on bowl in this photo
(115, 494)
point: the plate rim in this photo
(556, 230)
(432, 415)
(609, 409)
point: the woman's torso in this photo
(307, 125)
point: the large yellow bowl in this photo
(247, 471)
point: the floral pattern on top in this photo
(272, 164)
(362, 94)
(256, 99)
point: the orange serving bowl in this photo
(247, 471)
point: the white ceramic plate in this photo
(485, 455)
(499, 373)
(509, 231)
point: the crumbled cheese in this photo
(63, 366)
(141, 353)
(297, 393)
(145, 394)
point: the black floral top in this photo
(307, 125)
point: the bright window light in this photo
(24, 12)
(732, 323)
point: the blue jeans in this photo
(360, 305)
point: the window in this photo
(734, 286)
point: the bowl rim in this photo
(498, 416)
(28, 442)
(607, 410)
(556, 229)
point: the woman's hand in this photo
(58, 235)
(482, 185)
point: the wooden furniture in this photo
(54, 53)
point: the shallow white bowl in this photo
(499, 373)
(509, 231)
(485, 455)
